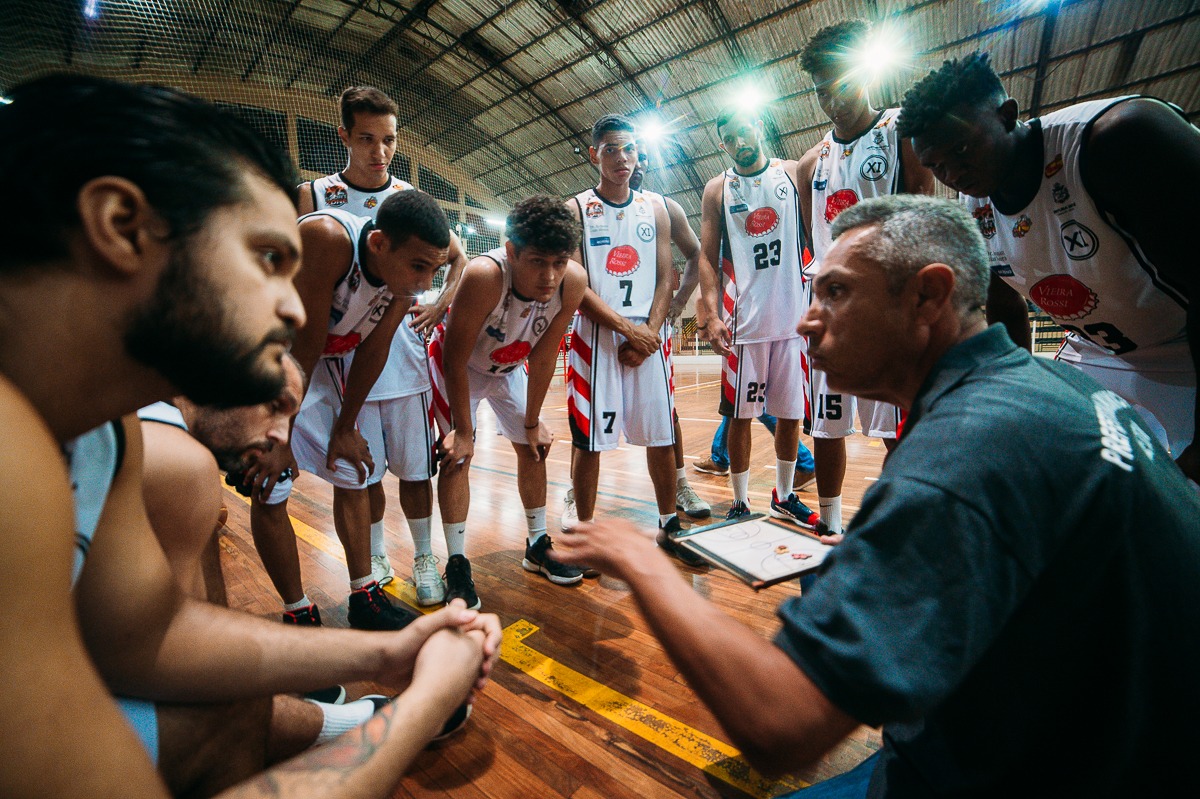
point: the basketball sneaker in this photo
(381, 569)
(709, 467)
(687, 501)
(796, 511)
(333, 695)
(459, 584)
(736, 511)
(665, 543)
(430, 588)
(539, 557)
(370, 609)
(305, 617)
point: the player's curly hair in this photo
(965, 81)
(543, 222)
(828, 48)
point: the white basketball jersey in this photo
(334, 191)
(850, 171)
(513, 328)
(1069, 256)
(762, 255)
(358, 303)
(620, 251)
(93, 460)
(407, 371)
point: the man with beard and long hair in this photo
(159, 236)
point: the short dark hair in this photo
(608, 123)
(185, 154)
(966, 81)
(413, 213)
(543, 222)
(366, 99)
(828, 48)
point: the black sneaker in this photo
(736, 511)
(333, 695)
(305, 617)
(370, 609)
(796, 511)
(540, 558)
(457, 720)
(459, 584)
(671, 548)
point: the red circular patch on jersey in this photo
(512, 353)
(839, 201)
(762, 221)
(1063, 297)
(622, 260)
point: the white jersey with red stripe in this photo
(620, 251)
(762, 255)
(1071, 258)
(358, 303)
(406, 372)
(848, 172)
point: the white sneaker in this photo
(430, 588)
(570, 516)
(690, 503)
(381, 569)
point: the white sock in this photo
(535, 522)
(831, 512)
(681, 476)
(785, 471)
(741, 486)
(361, 582)
(422, 535)
(456, 538)
(342, 718)
(378, 550)
(663, 518)
(303, 602)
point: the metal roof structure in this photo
(508, 91)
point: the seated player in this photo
(165, 238)
(512, 308)
(358, 281)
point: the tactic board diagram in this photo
(757, 549)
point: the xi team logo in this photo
(645, 231)
(335, 196)
(1079, 242)
(874, 168)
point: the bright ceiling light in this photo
(885, 51)
(470, 230)
(650, 131)
(749, 98)
(496, 221)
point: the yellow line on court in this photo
(706, 753)
(672, 736)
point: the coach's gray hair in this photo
(913, 231)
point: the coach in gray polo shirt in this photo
(1020, 592)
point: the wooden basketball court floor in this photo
(584, 702)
